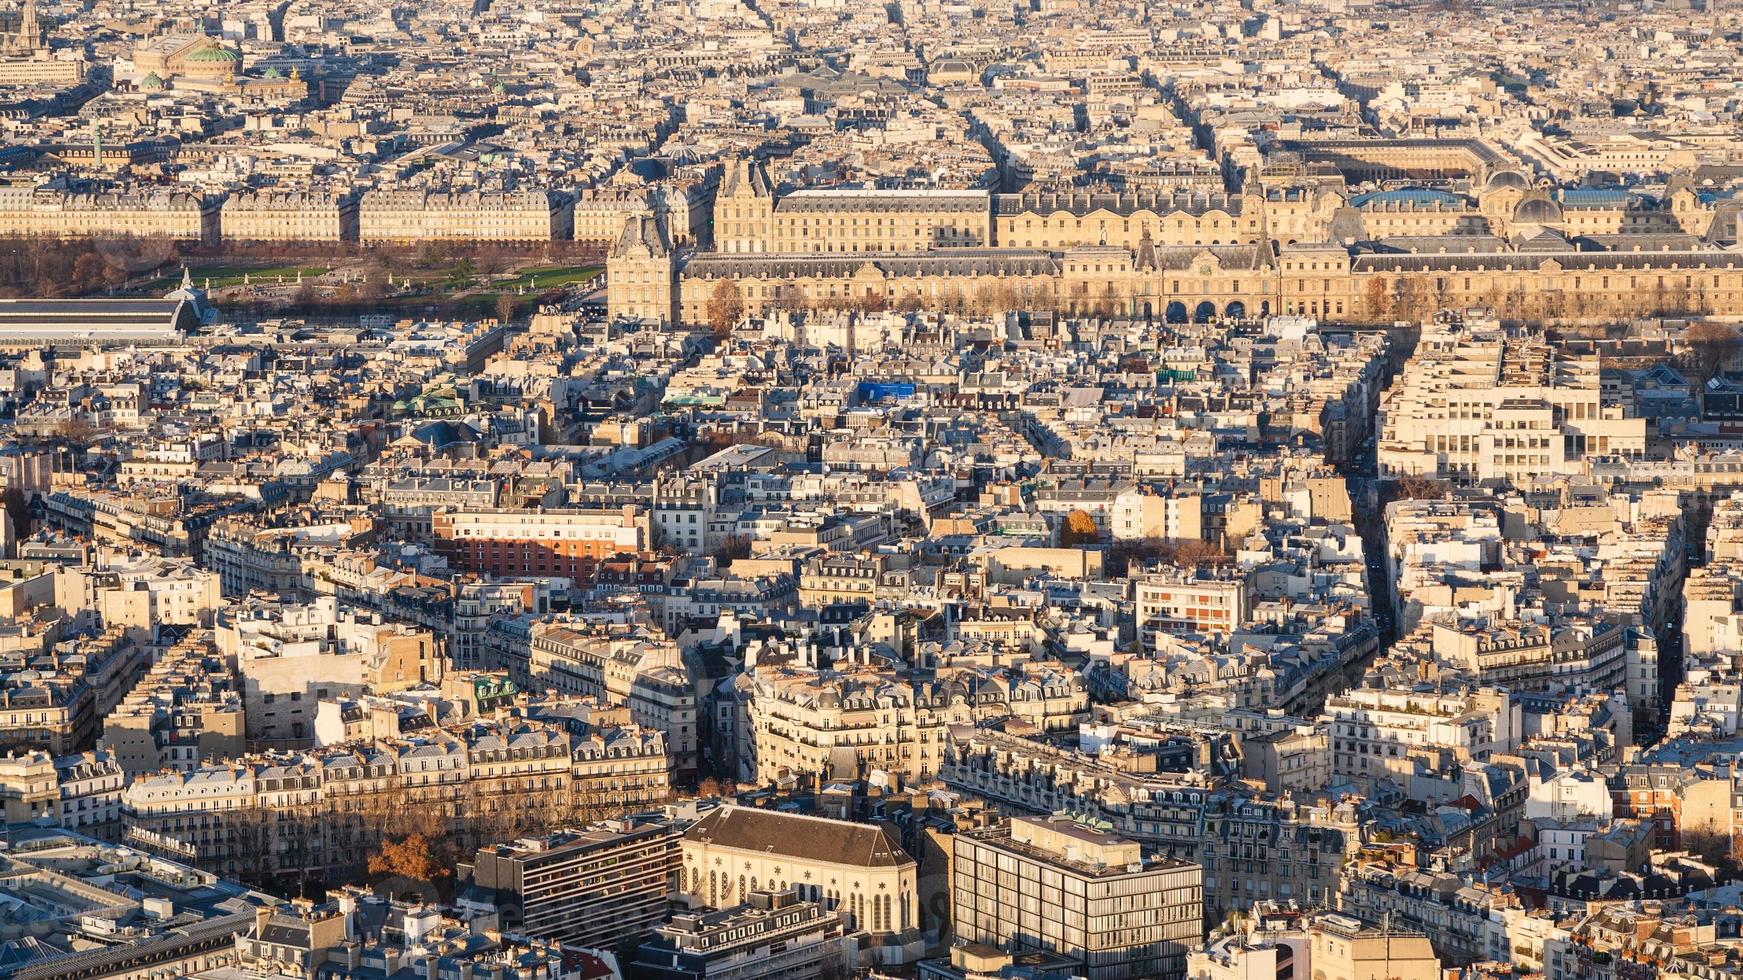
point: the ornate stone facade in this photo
(1307, 248)
(385, 216)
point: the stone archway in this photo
(1236, 310)
(1176, 312)
(1205, 312)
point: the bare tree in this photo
(1409, 298)
(1375, 299)
(1414, 486)
(1712, 348)
(725, 307)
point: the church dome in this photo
(152, 82)
(1541, 210)
(1511, 179)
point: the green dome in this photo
(152, 81)
(273, 73)
(212, 56)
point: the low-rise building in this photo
(774, 934)
(593, 888)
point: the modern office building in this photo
(1052, 884)
(593, 888)
(1182, 602)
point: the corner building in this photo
(1051, 884)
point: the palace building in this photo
(1307, 247)
(749, 217)
(64, 210)
(387, 216)
(272, 215)
(186, 55)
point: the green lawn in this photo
(549, 276)
(533, 278)
(232, 275)
(536, 281)
(473, 295)
(484, 304)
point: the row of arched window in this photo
(882, 908)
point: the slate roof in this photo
(800, 837)
(1084, 202)
(1405, 198)
(881, 201)
(943, 262)
(1579, 261)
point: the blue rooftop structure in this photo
(1412, 196)
(1595, 197)
(875, 391)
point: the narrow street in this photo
(1367, 501)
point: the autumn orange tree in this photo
(1377, 299)
(413, 856)
(1079, 529)
(714, 787)
(725, 307)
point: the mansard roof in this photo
(641, 238)
(798, 837)
(1572, 261)
(1227, 256)
(1085, 202)
(940, 262)
(896, 201)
